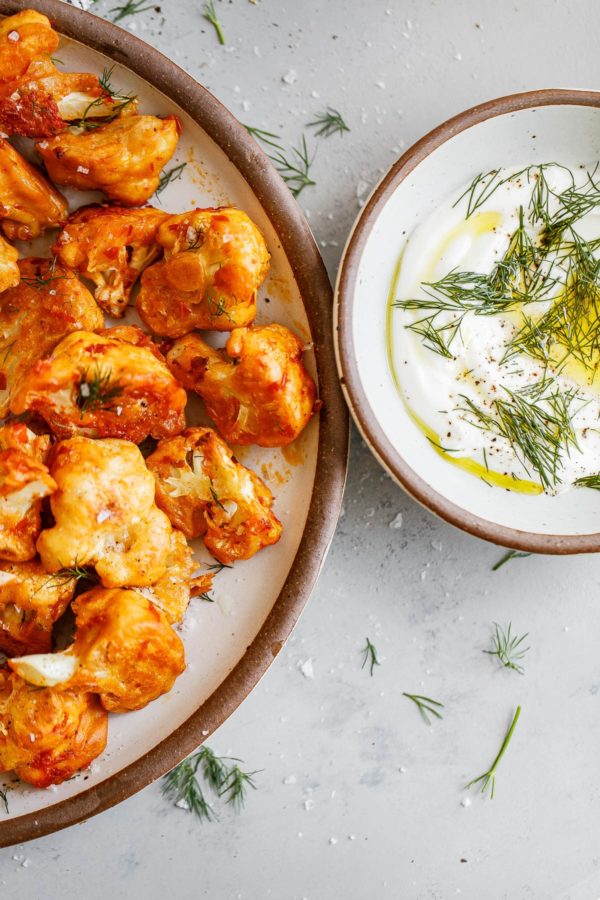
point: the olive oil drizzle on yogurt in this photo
(494, 308)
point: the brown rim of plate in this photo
(352, 387)
(315, 289)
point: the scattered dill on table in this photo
(370, 656)
(508, 648)
(510, 554)
(488, 779)
(130, 8)
(186, 783)
(426, 706)
(329, 122)
(210, 14)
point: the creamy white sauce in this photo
(432, 385)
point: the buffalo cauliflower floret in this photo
(9, 270)
(46, 736)
(257, 390)
(124, 650)
(215, 261)
(206, 492)
(30, 603)
(24, 37)
(123, 158)
(172, 592)
(44, 100)
(111, 384)
(48, 303)
(28, 202)
(111, 246)
(104, 513)
(24, 482)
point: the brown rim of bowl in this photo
(364, 417)
(315, 289)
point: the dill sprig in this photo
(168, 176)
(571, 327)
(267, 137)
(40, 281)
(293, 165)
(329, 122)
(236, 785)
(426, 706)
(221, 774)
(120, 102)
(508, 648)
(370, 656)
(488, 779)
(130, 8)
(206, 597)
(589, 481)
(96, 390)
(537, 423)
(510, 554)
(183, 788)
(4, 800)
(210, 14)
(518, 278)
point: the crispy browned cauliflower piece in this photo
(215, 261)
(172, 592)
(124, 158)
(111, 384)
(30, 603)
(124, 650)
(28, 202)
(24, 482)
(111, 246)
(48, 303)
(104, 513)
(257, 390)
(206, 492)
(46, 735)
(9, 270)
(24, 37)
(44, 100)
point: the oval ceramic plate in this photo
(541, 126)
(231, 642)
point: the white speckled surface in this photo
(358, 798)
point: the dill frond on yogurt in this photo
(496, 309)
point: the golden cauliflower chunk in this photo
(30, 603)
(123, 158)
(9, 270)
(24, 37)
(215, 261)
(45, 735)
(124, 650)
(257, 390)
(48, 303)
(111, 246)
(44, 100)
(104, 513)
(206, 492)
(24, 482)
(28, 202)
(111, 384)
(173, 591)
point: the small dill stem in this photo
(510, 554)
(370, 656)
(489, 777)
(210, 14)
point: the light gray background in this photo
(357, 797)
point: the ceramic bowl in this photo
(229, 643)
(535, 127)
